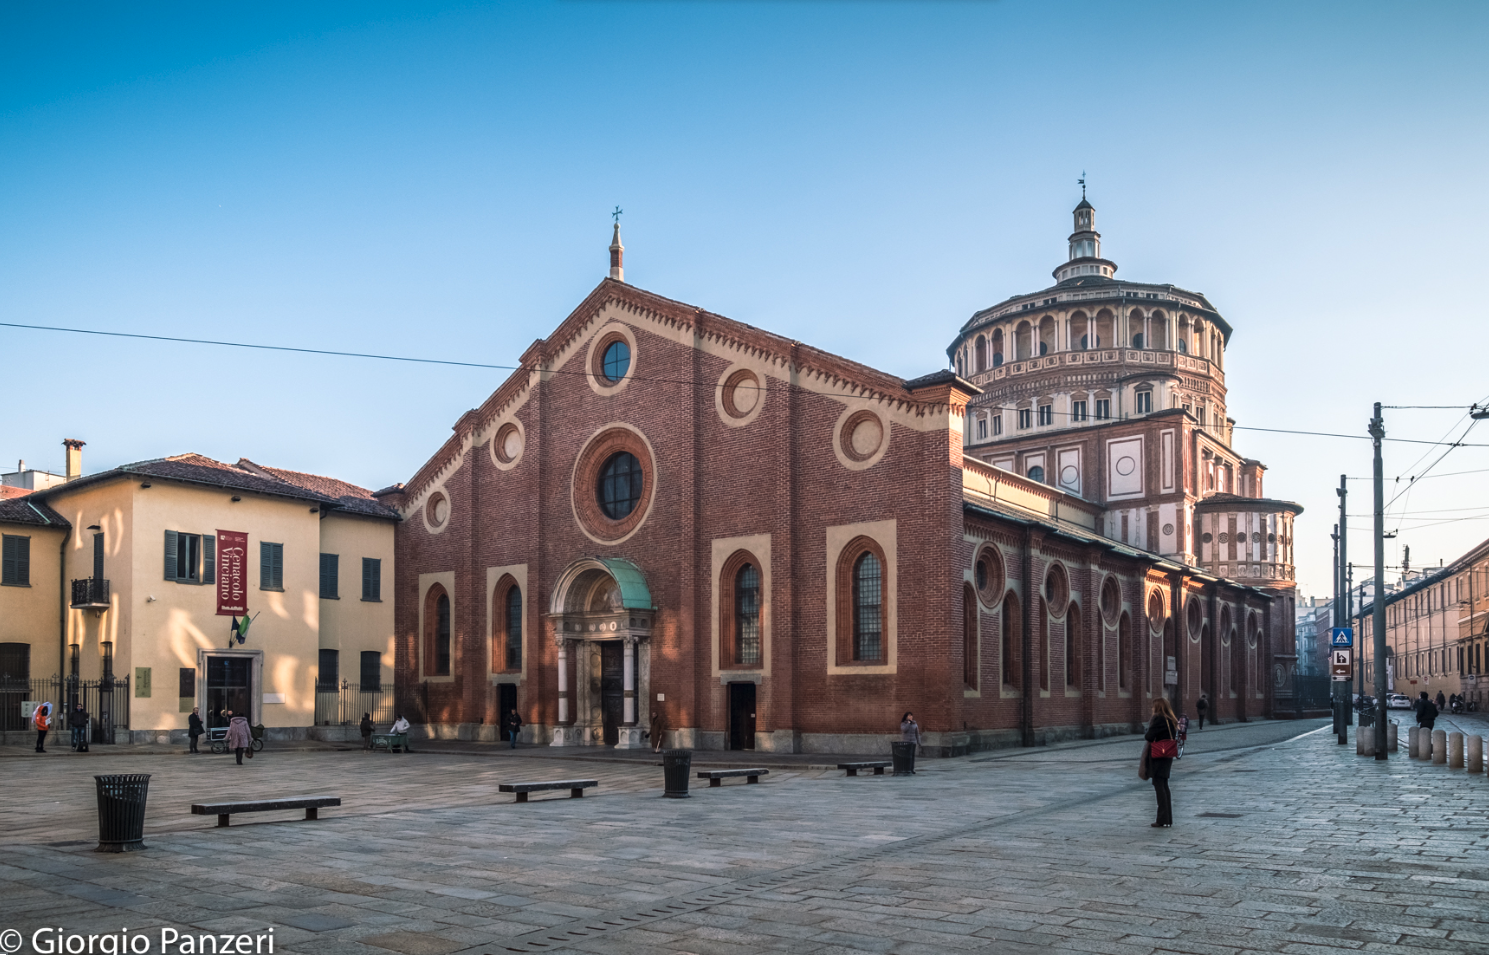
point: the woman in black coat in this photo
(194, 727)
(1165, 725)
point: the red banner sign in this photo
(232, 572)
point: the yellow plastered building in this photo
(123, 588)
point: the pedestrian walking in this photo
(239, 737)
(41, 720)
(1426, 711)
(1441, 702)
(514, 726)
(658, 730)
(366, 727)
(1162, 742)
(1202, 707)
(78, 720)
(194, 728)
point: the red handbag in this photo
(1164, 749)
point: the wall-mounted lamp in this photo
(315, 510)
(94, 527)
(144, 484)
(236, 499)
(150, 599)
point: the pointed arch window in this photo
(514, 628)
(747, 616)
(868, 606)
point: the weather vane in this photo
(1081, 180)
(616, 214)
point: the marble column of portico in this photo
(563, 731)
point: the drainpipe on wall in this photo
(62, 607)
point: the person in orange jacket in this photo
(42, 720)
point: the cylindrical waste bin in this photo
(676, 765)
(903, 755)
(121, 811)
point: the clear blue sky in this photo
(435, 180)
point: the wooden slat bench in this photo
(388, 741)
(311, 804)
(877, 766)
(576, 787)
(716, 777)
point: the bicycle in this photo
(1183, 735)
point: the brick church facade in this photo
(668, 511)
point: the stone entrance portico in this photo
(602, 618)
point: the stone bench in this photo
(878, 766)
(576, 787)
(716, 777)
(222, 810)
(389, 740)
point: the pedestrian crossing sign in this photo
(1343, 637)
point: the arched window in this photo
(514, 627)
(620, 485)
(1011, 640)
(1043, 625)
(747, 616)
(437, 632)
(980, 355)
(969, 636)
(1183, 347)
(1036, 473)
(1137, 340)
(868, 605)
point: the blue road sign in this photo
(1342, 637)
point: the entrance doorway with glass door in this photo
(229, 687)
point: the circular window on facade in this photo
(1206, 538)
(1036, 473)
(1155, 610)
(1168, 529)
(1271, 538)
(987, 574)
(620, 485)
(437, 509)
(740, 393)
(1224, 538)
(861, 439)
(507, 445)
(1056, 589)
(616, 361)
(614, 484)
(1111, 599)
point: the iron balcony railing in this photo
(90, 593)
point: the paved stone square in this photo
(1280, 845)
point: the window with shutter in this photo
(329, 568)
(170, 555)
(271, 566)
(15, 555)
(372, 670)
(327, 677)
(372, 578)
(209, 559)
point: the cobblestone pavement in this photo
(1280, 845)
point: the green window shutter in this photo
(23, 560)
(209, 559)
(329, 583)
(366, 578)
(16, 560)
(279, 566)
(266, 565)
(170, 555)
(8, 560)
(372, 578)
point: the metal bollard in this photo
(1475, 754)
(1365, 741)
(1413, 742)
(1439, 747)
(1455, 750)
(1392, 743)
(1360, 743)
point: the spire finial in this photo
(1081, 180)
(617, 251)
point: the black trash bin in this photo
(676, 765)
(903, 755)
(121, 811)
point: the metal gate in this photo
(106, 700)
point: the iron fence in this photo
(344, 705)
(106, 700)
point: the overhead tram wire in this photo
(654, 380)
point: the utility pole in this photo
(1333, 622)
(1345, 705)
(1378, 605)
